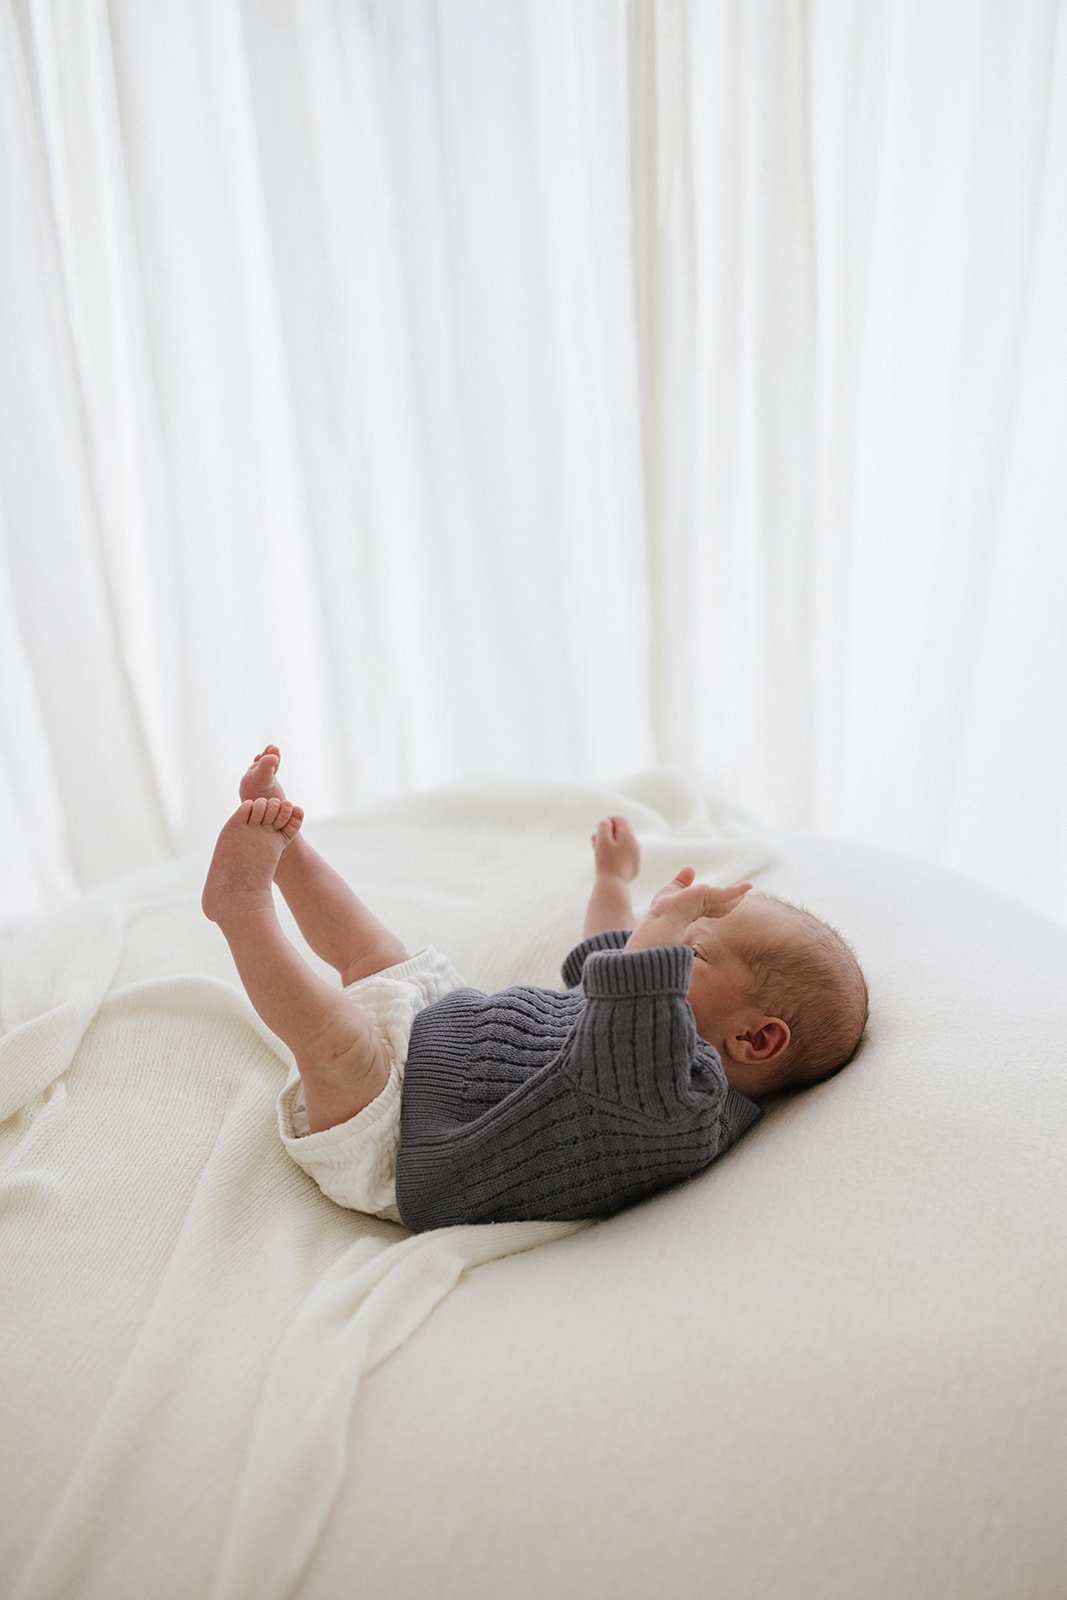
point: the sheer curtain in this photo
(534, 387)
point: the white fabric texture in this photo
(831, 1365)
(602, 384)
(354, 1163)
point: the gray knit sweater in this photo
(530, 1103)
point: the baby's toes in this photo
(288, 824)
(261, 778)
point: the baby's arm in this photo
(618, 858)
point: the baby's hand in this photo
(678, 905)
(684, 898)
(616, 850)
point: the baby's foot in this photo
(615, 849)
(247, 854)
(260, 782)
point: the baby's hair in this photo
(814, 983)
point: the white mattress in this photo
(833, 1365)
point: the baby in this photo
(431, 1103)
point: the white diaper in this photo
(355, 1162)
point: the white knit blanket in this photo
(186, 1321)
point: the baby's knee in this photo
(343, 1069)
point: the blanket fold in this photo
(187, 1320)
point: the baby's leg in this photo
(334, 921)
(617, 855)
(338, 1053)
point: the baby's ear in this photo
(764, 1042)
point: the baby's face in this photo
(721, 982)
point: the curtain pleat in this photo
(539, 388)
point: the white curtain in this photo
(535, 387)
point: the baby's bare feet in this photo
(247, 854)
(615, 849)
(261, 779)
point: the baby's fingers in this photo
(717, 902)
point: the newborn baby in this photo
(423, 1100)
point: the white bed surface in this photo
(834, 1364)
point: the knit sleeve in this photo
(572, 967)
(635, 1043)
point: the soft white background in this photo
(535, 387)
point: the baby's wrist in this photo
(655, 931)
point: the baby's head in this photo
(778, 993)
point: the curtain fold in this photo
(534, 387)
(70, 715)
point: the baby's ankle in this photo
(242, 912)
